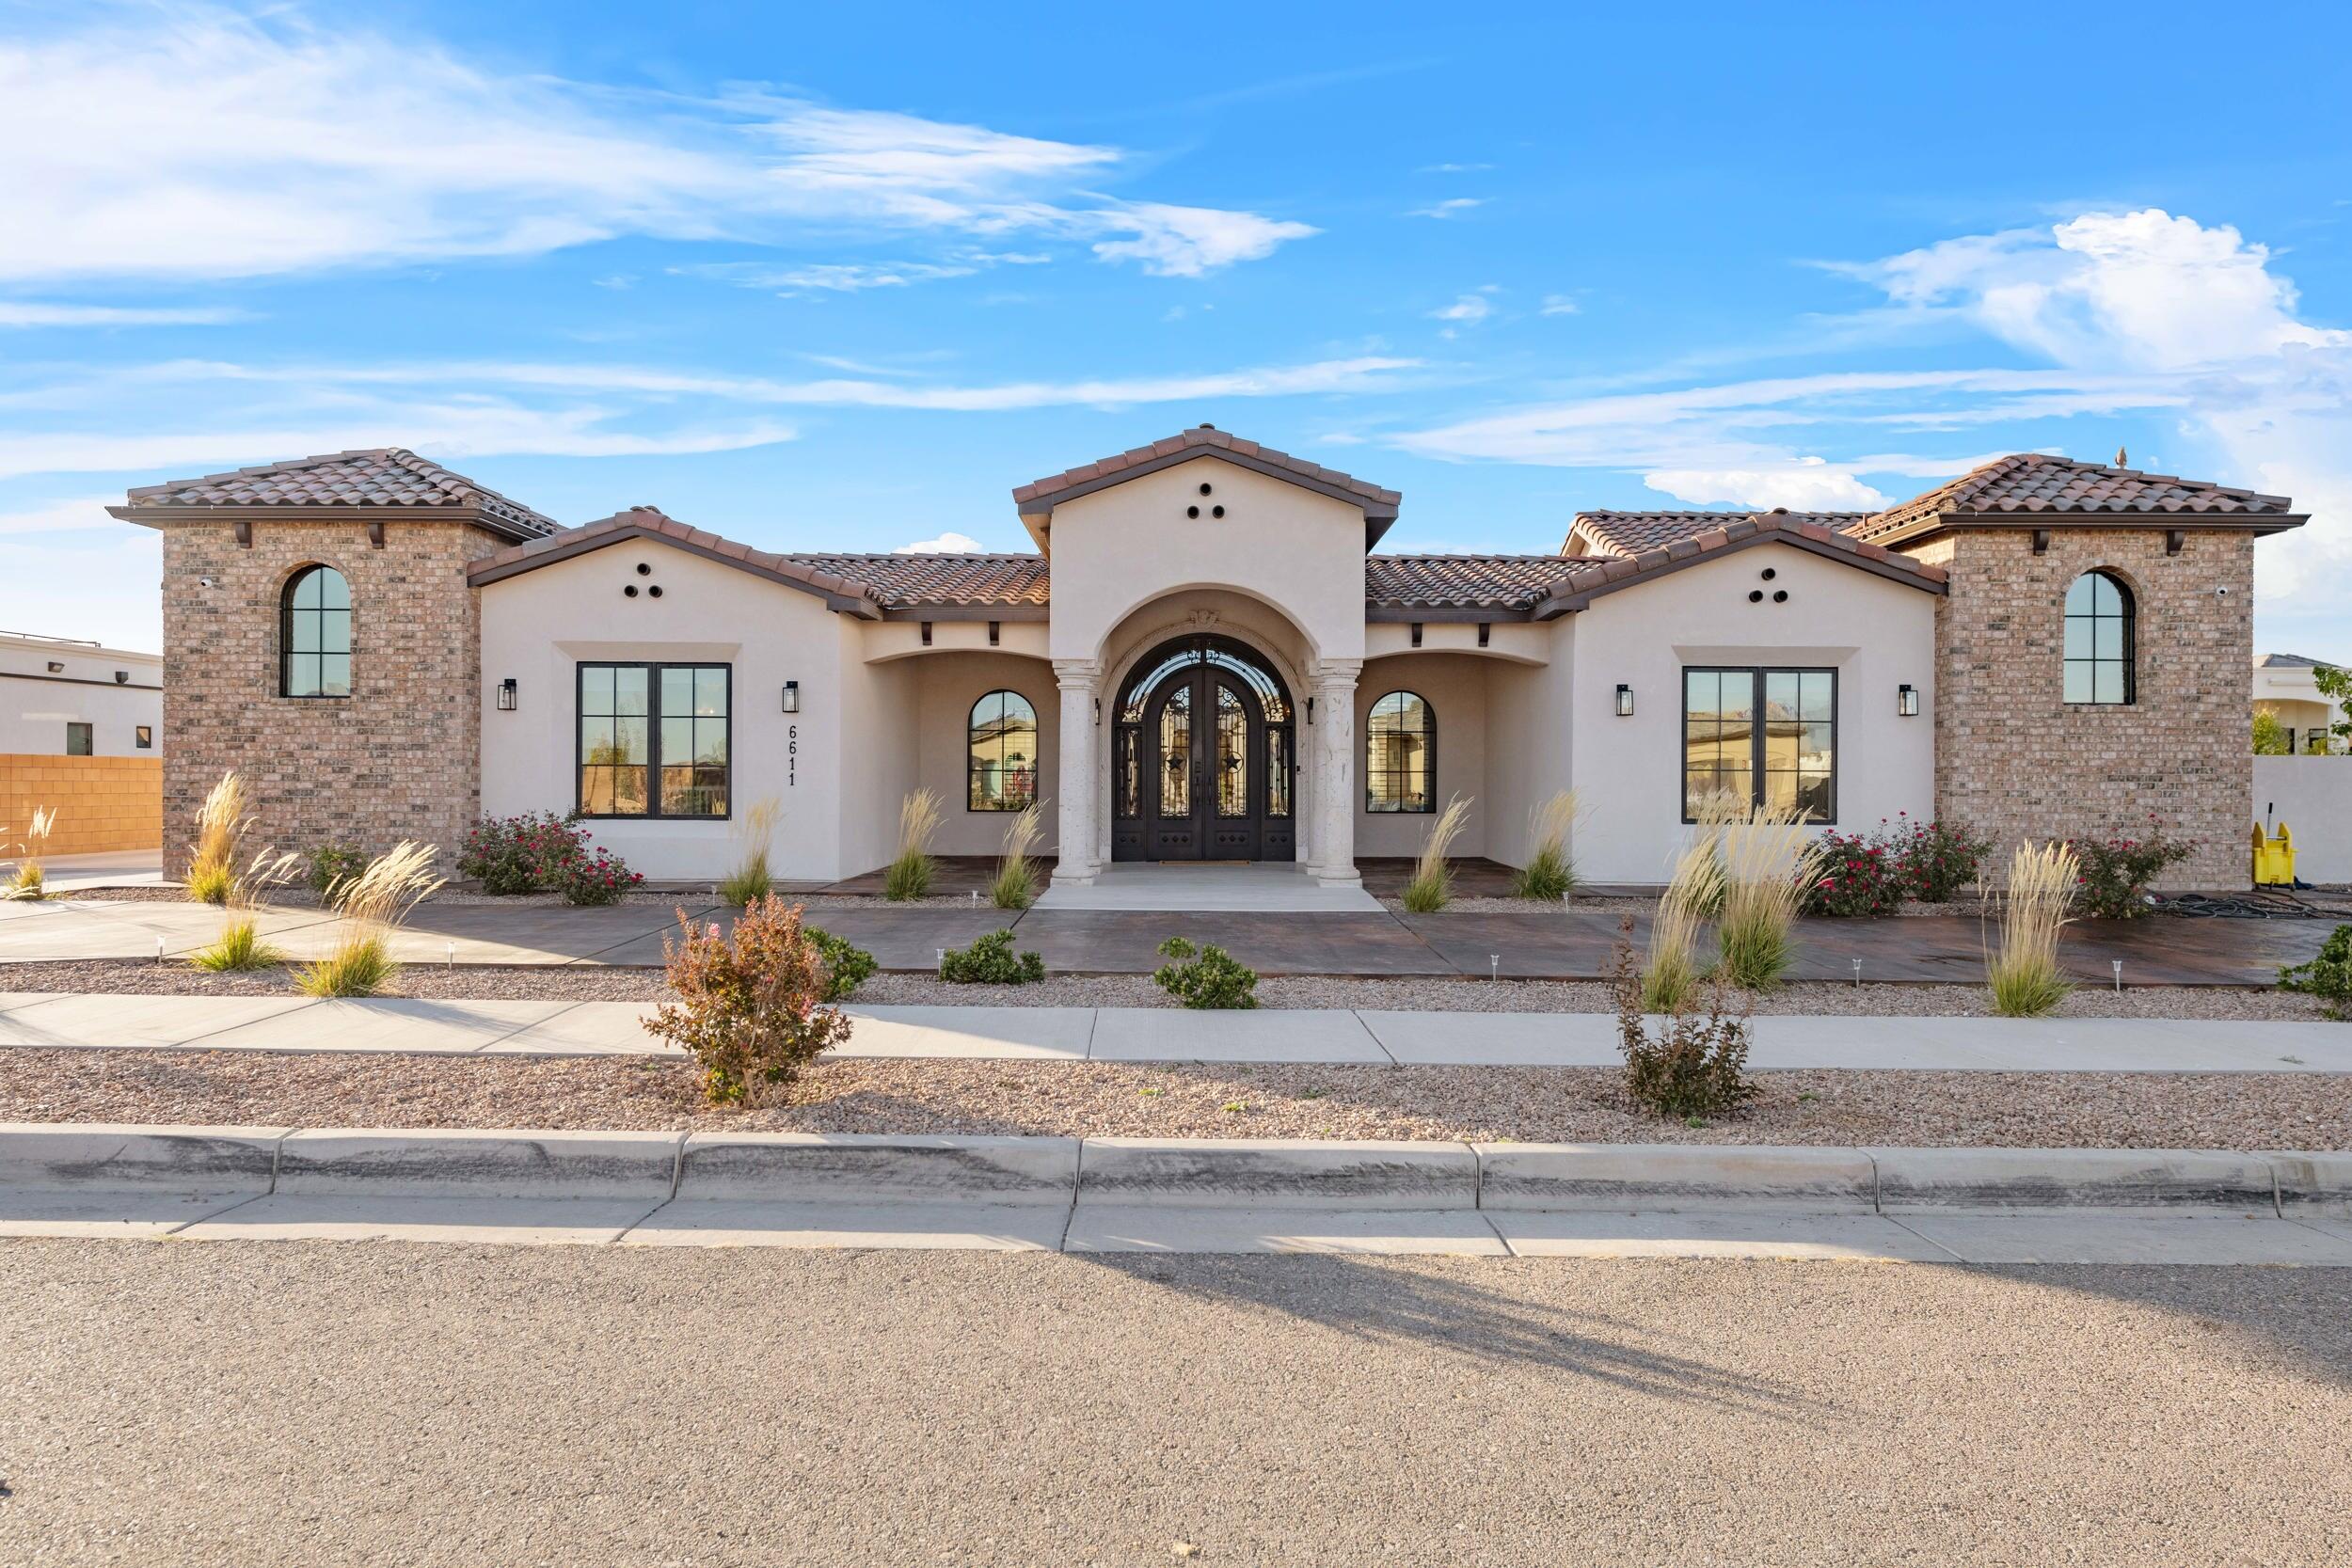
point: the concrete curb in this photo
(841, 1168)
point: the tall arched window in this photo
(1000, 765)
(315, 635)
(2099, 640)
(1400, 755)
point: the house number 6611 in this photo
(791, 756)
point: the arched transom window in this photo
(2099, 640)
(1001, 762)
(315, 635)
(1400, 755)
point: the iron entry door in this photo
(1204, 764)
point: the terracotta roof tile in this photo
(1464, 581)
(911, 581)
(1052, 485)
(2034, 484)
(1631, 532)
(378, 477)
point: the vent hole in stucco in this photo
(656, 591)
(1192, 511)
(645, 568)
(630, 592)
(1755, 595)
(1216, 512)
(1769, 573)
(1204, 489)
(1780, 595)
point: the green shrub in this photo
(751, 1003)
(1695, 1067)
(359, 966)
(331, 863)
(1940, 860)
(1859, 877)
(1206, 977)
(594, 876)
(2116, 871)
(2328, 976)
(209, 884)
(847, 965)
(990, 961)
(240, 947)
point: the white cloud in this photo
(832, 277)
(946, 544)
(105, 586)
(1808, 484)
(1453, 207)
(1560, 305)
(84, 514)
(1466, 310)
(32, 313)
(1454, 168)
(196, 142)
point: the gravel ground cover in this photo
(1530, 1104)
(594, 983)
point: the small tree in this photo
(2336, 686)
(751, 1005)
(2271, 737)
(1695, 1066)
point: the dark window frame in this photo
(287, 653)
(89, 738)
(2129, 616)
(971, 732)
(1755, 738)
(143, 737)
(653, 811)
(1429, 747)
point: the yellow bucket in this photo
(2274, 857)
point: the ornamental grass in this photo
(371, 905)
(911, 873)
(240, 945)
(221, 823)
(1015, 887)
(2024, 971)
(30, 877)
(1550, 874)
(1768, 865)
(1670, 971)
(1432, 887)
(756, 831)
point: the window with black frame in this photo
(1001, 754)
(2099, 640)
(1768, 736)
(655, 739)
(1400, 755)
(315, 635)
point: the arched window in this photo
(1400, 755)
(1001, 762)
(315, 635)
(2099, 640)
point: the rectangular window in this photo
(143, 736)
(654, 739)
(1760, 734)
(78, 741)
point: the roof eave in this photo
(593, 537)
(159, 516)
(2258, 523)
(1559, 603)
(1380, 511)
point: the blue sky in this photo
(840, 277)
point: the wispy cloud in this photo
(1454, 168)
(28, 314)
(1560, 305)
(198, 142)
(1807, 484)
(83, 514)
(825, 277)
(1453, 207)
(946, 544)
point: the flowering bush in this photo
(751, 1005)
(594, 876)
(520, 854)
(1857, 876)
(1939, 858)
(2116, 871)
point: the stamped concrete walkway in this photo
(293, 1023)
(1570, 943)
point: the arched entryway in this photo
(1204, 757)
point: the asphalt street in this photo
(319, 1403)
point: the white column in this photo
(1332, 854)
(1081, 684)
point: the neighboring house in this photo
(2284, 687)
(82, 733)
(1206, 658)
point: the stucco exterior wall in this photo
(399, 758)
(1454, 686)
(2017, 761)
(1530, 746)
(1875, 633)
(540, 626)
(947, 686)
(37, 702)
(2312, 795)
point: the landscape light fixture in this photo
(506, 695)
(1624, 702)
(1907, 699)
(791, 696)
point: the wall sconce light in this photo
(791, 696)
(1907, 701)
(57, 667)
(1311, 711)
(1098, 713)
(1624, 702)
(506, 695)
(122, 677)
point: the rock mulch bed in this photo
(594, 983)
(1530, 1104)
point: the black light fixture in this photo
(1098, 713)
(1907, 699)
(791, 696)
(1311, 711)
(57, 667)
(1624, 702)
(506, 695)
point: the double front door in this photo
(1206, 775)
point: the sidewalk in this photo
(293, 1023)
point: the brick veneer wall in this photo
(2014, 759)
(103, 803)
(399, 758)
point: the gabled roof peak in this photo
(1037, 498)
(368, 478)
(2027, 484)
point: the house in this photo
(82, 735)
(1208, 657)
(2285, 687)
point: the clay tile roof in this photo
(388, 477)
(1464, 581)
(1042, 494)
(1631, 532)
(1590, 574)
(909, 582)
(2033, 483)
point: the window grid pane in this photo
(644, 727)
(1400, 741)
(1002, 753)
(1784, 756)
(2098, 636)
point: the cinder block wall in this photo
(397, 759)
(103, 803)
(2016, 760)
